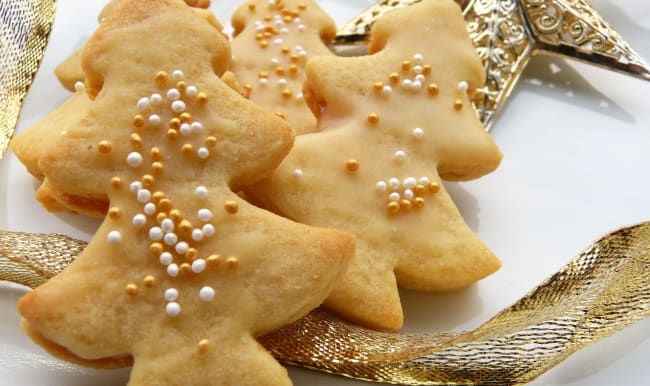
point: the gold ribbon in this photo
(24, 28)
(603, 290)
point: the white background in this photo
(576, 141)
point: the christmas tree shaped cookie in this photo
(273, 40)
(393, 124)
(183, 274)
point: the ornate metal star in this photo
(508, 33)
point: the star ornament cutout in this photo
(508, 33)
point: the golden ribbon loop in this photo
(24, 29)
(603, 290)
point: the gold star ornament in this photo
(508, 33)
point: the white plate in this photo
(576, 141)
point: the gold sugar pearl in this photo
(187, 149)
(186, 118)
(406, 65)
(231, 207)
(279, 71)
(114, 213)
(185, 226)
(458, 105)
(155, 154)
(175, 123)
(116, 183)
(191, 254)
(181, 86)
(161, 77)
(232, 262)
(160, 217)
(259, 36)
(149, 281)
(295, 58)
(280, 114)
(185, 268)
(165, 205)
(176, 215)
(157, 196)
(248, 87)
(156, 249)
(138, 120)
(394, 77)
(302, 6)
(148, 180)
(213, 260)
(418, 202)
(287, 19)
(104, 147)
(157, 168)
(393, 207)
(268, 18)
(373, 118)
(419, 189)
(293, 69)
(285, 50)
(268, 28)
(202, 98)
(172, 134)
(352, 165)
(251, 7)
(286, 93)
(268, 33)
(405, 204)
(136, 140)
(378, 86)
(131, 289)
(433, 89)
(203, 346)
(264, 43)
(434, 187)
(263, 75)
(211, 141)
(426, 69)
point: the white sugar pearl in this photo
(277, 41)
(408, 194)
(150, 209)
(282, 82)
(393, 183)
(203, 152)
(114, 237)
(170, 239)
(171, 294)
(182, 247)
(425, 180)
(416, 85)
(185, 129)
(275, 61)
(201, 192)
(197, 235)
(139, 220)
(208, 230)
(417, 58)
(301, 28)
(394, 196)
(417, 69)
(263, 81)
(173, 309)
(297, 20)
(284, 30)
(387, 90)
(198, 266)
(298, 173)
(381, 186)
(155, 99)
(410, 182)
(166, 258)
(205, 214)
(154, 119)
(172, 270)
(420, 78)
(463, 86)
(418, 132)
(177, 75)
(191, 91)
(197, 127)
(144, 195)
(173, 94)
(406, 84)
(167, 225)
(400, 155)
(135, 186)
(80, 86)
(206, 294)
(134, 159)
(143, 104)
(300, 96)
(155, 234)
(178, 106)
